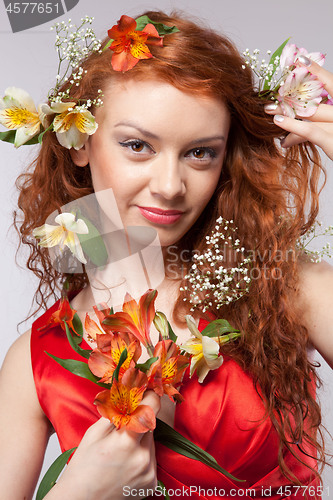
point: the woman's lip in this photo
(162, 211)
(160, 216)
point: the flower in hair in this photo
(300, 94)
(290, 54)
(18, 112)
(65, 234)
(284, 80)
(72, 124)
(129, 45)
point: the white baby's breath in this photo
(73, 44)
(211, 281)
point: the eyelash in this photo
(211, 152)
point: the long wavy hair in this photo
(259, 187)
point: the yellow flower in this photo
(18, 112)
(66, 234)
(204, 350)
(72, 125)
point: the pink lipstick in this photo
(159, 216)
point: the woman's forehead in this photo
(153, 102)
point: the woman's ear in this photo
(80, 157)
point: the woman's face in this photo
(161, 151)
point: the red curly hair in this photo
(259, 187)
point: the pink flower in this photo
(300, 93)
(291, 53)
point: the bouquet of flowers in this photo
(113, 365)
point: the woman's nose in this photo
(167, 177)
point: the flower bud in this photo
(161, 324)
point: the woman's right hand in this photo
(109, 463)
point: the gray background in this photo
(28, 60)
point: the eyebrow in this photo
(153, 136)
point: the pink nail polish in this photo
(279, 118)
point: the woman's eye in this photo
(137, 146)
(202, 153)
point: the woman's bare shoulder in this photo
(315, 305)
(315, 282)
(18, 355)
(16, 373)
(24, 429)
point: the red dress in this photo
(223, 415)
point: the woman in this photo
(181, 143)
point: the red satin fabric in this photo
(223, 415)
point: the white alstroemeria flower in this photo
(18, 112)
(66, 234)
(73, 124)
(205, 351)
(46, 112)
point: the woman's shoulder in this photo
(315, 305)
(16, 378)
(315, 284)
(17, 363)
(18, 354)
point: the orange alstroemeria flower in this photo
(91, 327)
(167, 372)
(102, 310)
(103, 364)
(135, 318)
(121, 404)
(64, 314)
(129, 45)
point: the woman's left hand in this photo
(318, 128)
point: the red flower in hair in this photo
(129, 45)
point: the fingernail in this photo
(305, 60)
(278, 118)
(271, 107)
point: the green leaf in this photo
(10, 137)
(85, 353)
(107, 45)
(277, 53)
(172, 334)
(122, 359)
(163, 489)
(217, 328)
(162, 29)
(79, 368)
(144, 367)
(53, 473)
(178, 443)
(93, 244)
(41, 135)
(78, 327)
